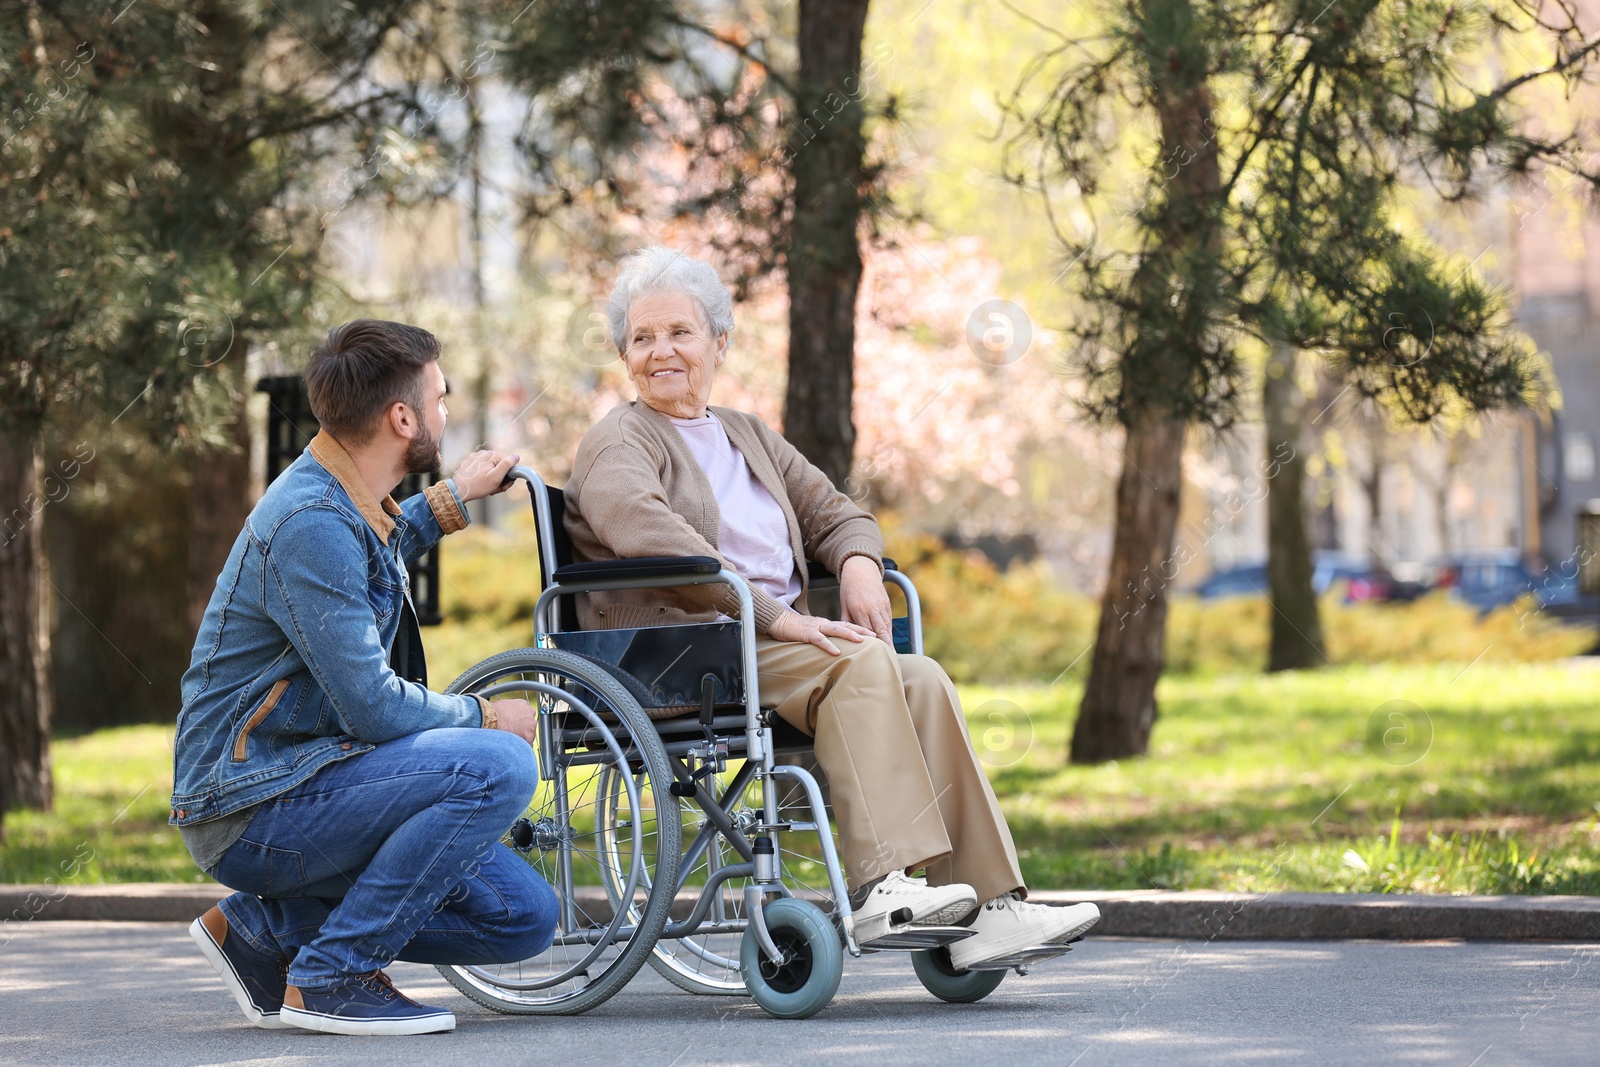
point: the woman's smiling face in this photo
(671, 355)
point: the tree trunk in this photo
(1171, 316)
(1296, 626)
(1372, 489)
(219, 499)
(1119, 701)
(826, 147)
(24, 634)
(483, 372)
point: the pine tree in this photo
(1276, 140)
(158, 217)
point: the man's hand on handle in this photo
(517, 717)
(484, 474)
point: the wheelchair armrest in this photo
(642, 567)
(818, 573)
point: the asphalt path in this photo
(117, 993)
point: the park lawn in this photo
(112, 795)
(1432, 779)
(1420, 779)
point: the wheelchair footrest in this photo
(917, 938)
(1023, 958)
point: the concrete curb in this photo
(128, 902)
(1338, 916)
(1152, 913)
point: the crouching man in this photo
(357, 813)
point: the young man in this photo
(357, 813)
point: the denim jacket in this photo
(291, 666)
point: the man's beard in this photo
(422, 454)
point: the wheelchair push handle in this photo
(520, 473)
(543, 518)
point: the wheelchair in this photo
(663, 818)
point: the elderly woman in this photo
(668, 475)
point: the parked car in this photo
(1491, 580)
(1558, 588)
(1250, 579)
(1486, 580)
(1560, 599)
(1364, 581)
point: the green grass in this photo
(1428, 779)
(109, 823)
(1253, 783)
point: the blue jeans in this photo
(394, 854)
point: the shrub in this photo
(1232, 634)
(1217, 636)
(492, 575)
(983, 624)
(988, 625)
(1438, 629)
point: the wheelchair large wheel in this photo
(941, 978)
(708, 962)
(591, 731)
(804, 983)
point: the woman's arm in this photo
(841, 536)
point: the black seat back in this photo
(655, 664)
(561, 546)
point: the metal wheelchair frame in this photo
(687, 740)
(759, 747)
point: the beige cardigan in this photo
(636, 490)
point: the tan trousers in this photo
(908, 791)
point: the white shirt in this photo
(754, 533)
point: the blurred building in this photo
(1556, 273)
(1512, 482)
(1403, 499)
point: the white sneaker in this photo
(899, 900)
(1007, 925)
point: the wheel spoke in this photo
(604, 947)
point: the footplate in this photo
(1022, 959)
(917, 938)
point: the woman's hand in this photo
(793, 626)
(862, 598)
(483, 474)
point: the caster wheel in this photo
(940, 977)
(805, 983)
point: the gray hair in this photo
(659, 269)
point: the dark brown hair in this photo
(362, 368)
